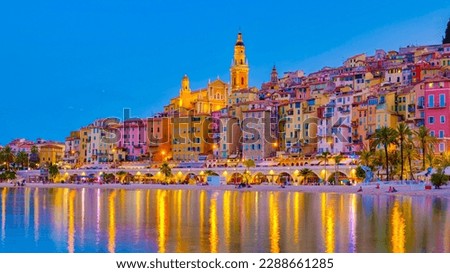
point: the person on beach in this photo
(390, 189)
(360, 189)
(378, 186)
(393, 189)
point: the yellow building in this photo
(239, 67)
(202, 101)
(51, 153)
(191, 138)
(160, 138)
(385, 111)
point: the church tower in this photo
(185, 92)
(239, 66)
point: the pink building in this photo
(21, 145)
(214, 132)
(134, 139)
(437, 111)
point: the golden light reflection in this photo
(398, 229)
(26, 206)
(213, 233)
(297, 210)
(138, 207)
(202, 202)
(98, 215)
(178, 206)
(227, 217)
(328, 220)
(83, 198)
(161, 197)
(112, 223)
(274, 223)
(4, 193)
(36, 214)
(71, 225)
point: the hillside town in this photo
(292, 119)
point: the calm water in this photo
(94, 220)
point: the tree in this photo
(403, 136)
(360, 173)
(325, 156)
(410, 153)
(122, 176)
(305, 173)
(34, 156)
(53, 171)
(7, 156)
(439, 178)
(249, 163)
(22, 159)
(385, 136)
(425, 141)
(337, 159)
(446, 39)
(166, 171)
(366, 157)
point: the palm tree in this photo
(249, 163)
(365, 157)
(384, 136)
(165, 170)
(425, 141)
(403, 136)
(444, 160)
(21, 159)
(305, 173)
(7, 156)
(34, 156)
(53, 171)
(337, 159)
(410, 153)
(325, 156)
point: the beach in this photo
(371, 189)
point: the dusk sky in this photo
(66, 63)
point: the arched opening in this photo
(236, 178)
(191, 178)
(260, 178)
(338, 178)
(309, 177)
(284, 178)
(242, 80)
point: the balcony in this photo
(411, 108)
(355, 124)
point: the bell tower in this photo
(185, 92)
(239, 66)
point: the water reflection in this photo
(94, 220)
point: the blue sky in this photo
(65, 63)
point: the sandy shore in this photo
(402, 189)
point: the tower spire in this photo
(239, 68)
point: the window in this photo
(441, 100)
(441, 147)
(430, 120)
(432, 133)
(441, 134)
(442, 118)
(430, 100)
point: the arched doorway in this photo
(284, 178)
(337, 178)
